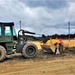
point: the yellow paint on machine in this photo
(38, 44)
(50, 42)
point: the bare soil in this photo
(43, 64)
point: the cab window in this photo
(7, 31)
(14, 32)
(0, 30)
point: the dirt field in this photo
(43, 64)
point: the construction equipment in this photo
(10, 42)
(53, 46)
(57, 46)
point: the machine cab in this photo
(7, 36)
(7, 32)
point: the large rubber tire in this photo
(61, 48)
(29, 50)
(55, 50)
(2, 53)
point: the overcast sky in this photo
(40, 16)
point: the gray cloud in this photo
(48, 17)
(52, 4)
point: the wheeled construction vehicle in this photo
(58, 46)
(10, 42)
(53, 46)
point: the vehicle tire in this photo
(2, 53)
(29, 50)
(55, 50)
(61, 48)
